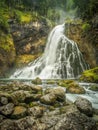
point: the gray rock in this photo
(37, 88)
(48, 99)
(75, 121)
(27, 123)
(19, 96)
(59, 92)
(4, 100)
(5, 97)
(7, 125)
(32, 97)
(2, 118)
(37, 81)
(36, 111)
(7, 109)
(84, 106)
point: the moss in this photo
(86, 27)
(90, 75)
(64, 83)
(75, 88)
(22, 17)
(37, 81)
(32, 104)
(71, 86)
(51, 81)
(94, 88)
(6, 42)
(25, 59)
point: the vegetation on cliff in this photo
(90, 75)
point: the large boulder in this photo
(36, 111)
(32, 97)
(7, 109)
(19, 112)
(75, 88)
(84, 106)
(37, 81)
(48, 99)
(3, 100)
(19, 96)
(7, 125)
(59, 92)
(53, 95)
(27, 123)
(75, 121)
(68, 119)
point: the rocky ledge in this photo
(26, 106)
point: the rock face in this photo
(87, 41)
(29, 38)
(19, 112)
(21, 108)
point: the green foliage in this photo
(90, 75)
(3, 18)
(86, 27)
(3, 24)
(86, 8)
(6, 42)
(22, 17)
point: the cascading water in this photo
(61, 59)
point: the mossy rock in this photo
(51, 82)
(37, 81)
(75, 88)
(90, 75)
(19, 112)
(71, 86)
(94, 88)
(32, 104)
(64, 83)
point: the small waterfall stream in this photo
(61, 59)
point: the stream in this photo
(92, 96)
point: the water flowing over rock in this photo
(61, 59)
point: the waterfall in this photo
(61, 59)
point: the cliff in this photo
(86, 38)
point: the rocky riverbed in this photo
(29, 106)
